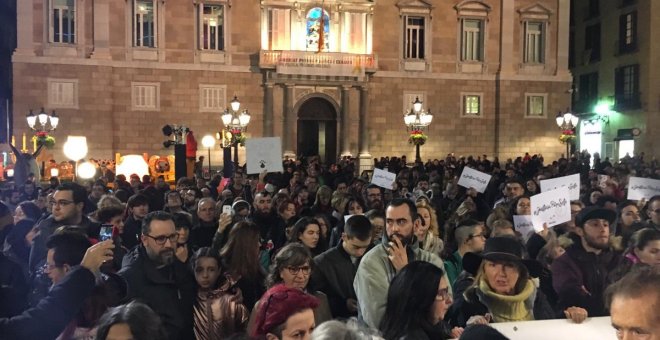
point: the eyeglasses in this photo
(482, 235)
(48, 267)
(295, 270)
(60, 203)
(443, 294)
(160, 240)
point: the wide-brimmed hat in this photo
(594, 212)
(501, 249)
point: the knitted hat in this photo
(278, 304)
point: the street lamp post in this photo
(47, 123)
(567, 122)
(417, 120)
(44, 119)
(236, 123)
(208, 141)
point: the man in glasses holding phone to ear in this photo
(155, 277)
(380, 264)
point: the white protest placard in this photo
(639, 187)
(552, 207)
(263, 154)
(524, 225)
(471, 178)
(383, 179)
(572, 182)
(599, 328)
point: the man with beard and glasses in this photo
(380, 264)
(155, 278)
(579, 276)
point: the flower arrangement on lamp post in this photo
(417, 120)
(43, 138)
(567, 136)
(417, 137)
(567, 122)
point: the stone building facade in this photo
(616, 70)
(493, 73)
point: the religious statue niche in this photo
(315, 24)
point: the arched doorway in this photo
(317, 129)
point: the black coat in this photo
(13, 287)
(580, 278)
(132, 230)
(333, 274)
(49, 318)
(202, 234)
(468, 305)
(46, 228)
(169, 291)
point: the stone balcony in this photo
(304, 62)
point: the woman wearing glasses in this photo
(292, 266)
(417, 313)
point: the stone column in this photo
(506, 43)
(344, 138)
(563, 26)
(101, 12)
(363, 131)
(25, 28)
(289, 141)
(268, 110)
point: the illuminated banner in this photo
(321, 64)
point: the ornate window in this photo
(144, 23)
(314, 29)
(211, 26)
(62, 28)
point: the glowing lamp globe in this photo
(132, 164)
(208, 141)
(86, 170)
(75, 147)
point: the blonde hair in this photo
(523, 276)
(434, 219)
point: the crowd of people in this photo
(317, 252)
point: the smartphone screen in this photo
(106, 232)
(226, 209)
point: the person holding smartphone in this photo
(112, 227)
